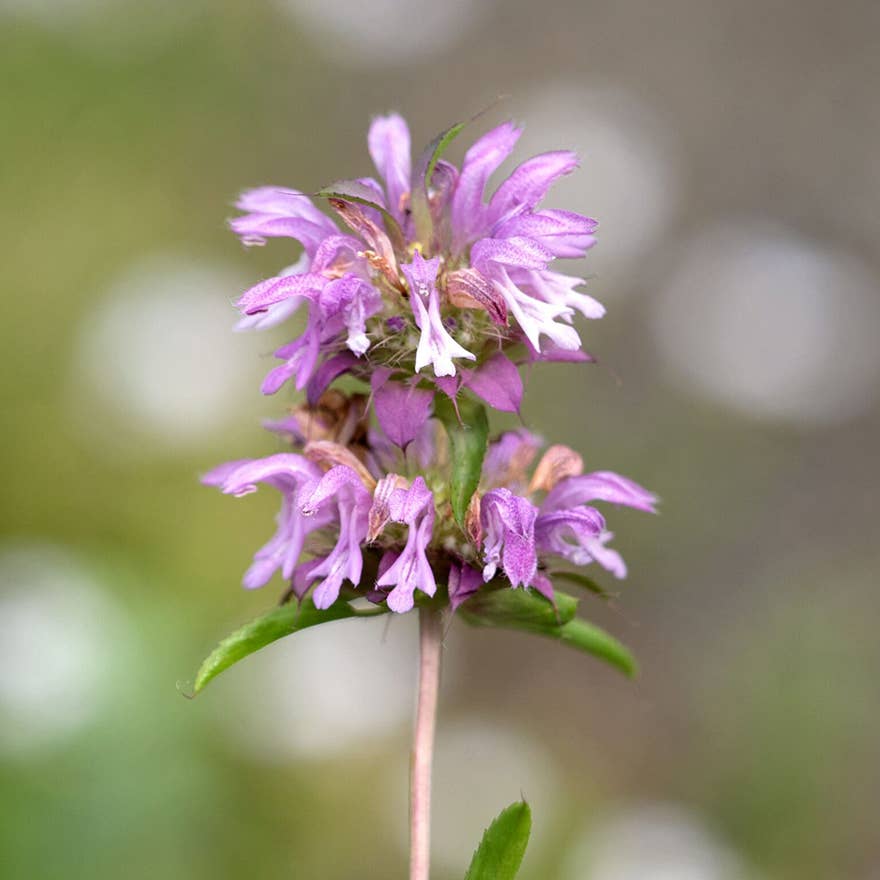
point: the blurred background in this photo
(730, 151)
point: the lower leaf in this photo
(280, 622)
(501, 851)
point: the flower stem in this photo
(430, 642)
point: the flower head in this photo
(350, 514)
(428, 282)
(431, 272)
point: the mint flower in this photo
(344, 503)
(432, 270)
(427, 297)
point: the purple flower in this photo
(436, 346)
(272, 213)
(464, 581)
(426, 280)
(342, 490)
(388, 143)
(567, 526)
(600, 486)
(509, 537)
(410, 569)
(287, 473)
(445, 244)
(401, 409)
(508, 459)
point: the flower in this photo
(287, 473)
(431, 283)
(432, 272)
(351, 514)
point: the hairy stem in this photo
(430, 639)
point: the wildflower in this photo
(433, 271)
(344, 502)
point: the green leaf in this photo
(529, 611)
(518, 609)
(591, 639)
(423, 171)
(427, 162)
(356, 192)
(468, 437)
(280, 622)
(581, 580)
(503, 846)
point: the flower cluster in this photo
(435, 287)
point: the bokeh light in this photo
(59, 635)
(770, 323)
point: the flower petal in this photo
(389, 145)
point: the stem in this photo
(430, 642)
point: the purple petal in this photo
(498, 382)
(271, 317)
(335, 481)
(529, 183)
(468, 212)
(544, 586)
(284, 471)
(599, 486)
(411, 570)
(449, 385)
(464, 581)
(508, 522)
(301, 356)
(509, 457)
(401, 409)
(273, 212)
(517, 251)
(389, 146)
(274, 290)
(564, 233)
(443, 184)
(326, 373)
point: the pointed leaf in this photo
(591, 639)
(503, 846)
(529, 611)
(581, 580)
(360, 194)
(468, 436)
(518, 609)
(421, 179)
(268, 628)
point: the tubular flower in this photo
(428, 291)
(353, 513)
(432, 272)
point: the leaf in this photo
(581, 580)
(423, 171)
(503, 846)
(518, 609)
(467, 438)
(360, 194)
(279, 622)
(434, 151)
(591, 639)
(529, 611)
